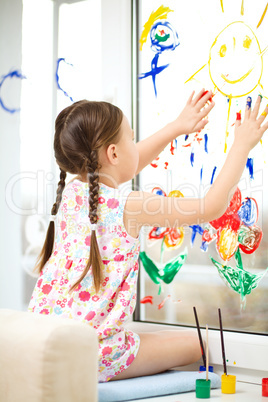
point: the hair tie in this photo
(93, 226)
(52, 218)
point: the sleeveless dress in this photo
(116, 300)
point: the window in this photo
(183, 46)
(62, 63)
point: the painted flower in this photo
(236, 227)
(101, 200)
(172, 237)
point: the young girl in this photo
(89, 273)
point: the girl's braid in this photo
(61, 185)
(93, 178)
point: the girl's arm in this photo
(153, 210)
(189, 121)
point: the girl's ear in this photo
(112, 154)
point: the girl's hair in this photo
(80, 131)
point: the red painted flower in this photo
(233, 227)
(173, 237)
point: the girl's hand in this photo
(192, 117)
(250, 131)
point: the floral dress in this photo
(116, 299)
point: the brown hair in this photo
(80, 131)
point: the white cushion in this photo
(46, 359)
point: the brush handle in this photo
(200, 337)
(222, 344)
(207, 353)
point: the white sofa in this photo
(46, 359)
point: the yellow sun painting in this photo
(235, 61)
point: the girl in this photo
(90, 272)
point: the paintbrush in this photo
(207, 353)
(222, 344)
(200, 337)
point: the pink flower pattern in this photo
(115, 302)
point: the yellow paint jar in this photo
(228, 384)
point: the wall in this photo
(116, 88)
(10, 233)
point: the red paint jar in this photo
(265, 387)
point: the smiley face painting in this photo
(235, 62)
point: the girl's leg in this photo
(163, 350)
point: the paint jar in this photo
(202, 388)
(265, 387)
(228, 384)
(203, 368)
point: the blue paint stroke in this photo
(249, 165)
(248, 212)
(186, 137)
(204, 246)
(159, 47)
(249, 101)
(160, 192)
(206, 143)
(176, 143)
(213, 174)
(201, 174)
(12, 74)
(57, 77)
(154, 71)
(195, 229)
(192, 158)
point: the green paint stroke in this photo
(241, 281)
(166, 272)
(162, 38)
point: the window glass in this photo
(186, 46)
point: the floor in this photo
(245, 392)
